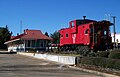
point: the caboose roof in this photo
(103, 22)
(86, 20)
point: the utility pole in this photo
(21, 27)
(114, 29)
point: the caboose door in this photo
(86, 37)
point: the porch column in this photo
(35, 43)
(24, 45)
(30, 43)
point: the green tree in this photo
(46, 34)
(5, 35)
(55, 37)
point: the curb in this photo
(70, 60)
(95, 72)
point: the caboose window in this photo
(61, 35)
(105, 32)
(66, 34)
(78, 22)
(86, 31)
(72, 24)
(91, 30)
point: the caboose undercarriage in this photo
(81, 49)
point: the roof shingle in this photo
(32, 34)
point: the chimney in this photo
(25, 31)
(84, 17)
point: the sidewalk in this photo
(78, 68)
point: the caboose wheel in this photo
(83, 50)
(78, 49)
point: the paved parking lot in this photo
(13, 65)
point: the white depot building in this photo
(117, 37)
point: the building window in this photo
(37, 43)
(33, 43)
(41, 43)
(28, 43)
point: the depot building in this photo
(30, 39)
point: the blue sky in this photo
(51, 15)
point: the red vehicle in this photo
(85, 35)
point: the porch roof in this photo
(11, 41)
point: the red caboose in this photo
(86, 34)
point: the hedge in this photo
(114, 55)
(102, 62)
(103, 54)
(91, 54)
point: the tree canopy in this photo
(55, 37)
(5, 35)
(46, 34)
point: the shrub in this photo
(110, 63)
(114, 55)
(117, 64)
(102, 62)
(92, 54)
(90, 61)
(87, 61)
(103, 54)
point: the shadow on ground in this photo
(8, 52)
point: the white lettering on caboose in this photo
(73, 37)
